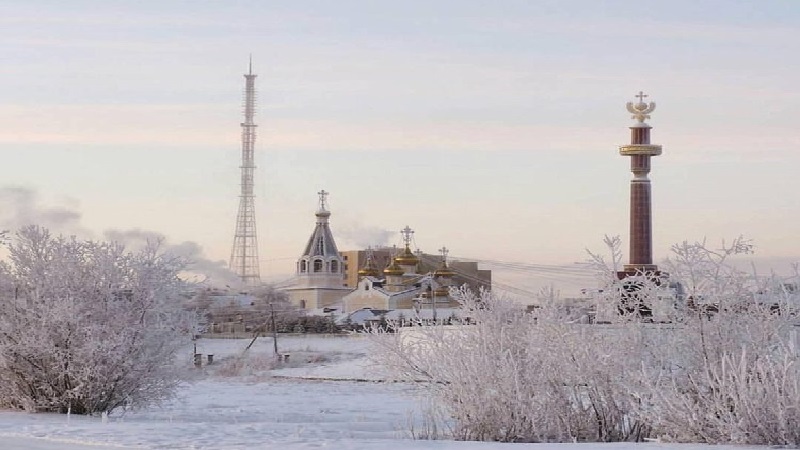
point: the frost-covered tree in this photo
(701, 353)
(513, 375)
(87, 327)
(728, 369)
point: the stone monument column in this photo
(641, 224)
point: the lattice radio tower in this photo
(244, 255)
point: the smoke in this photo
(133, 239)
(22, 206)
(365, 236)
(215, 272)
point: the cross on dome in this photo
(407, 233)
(444, 251)
(641, 96)
(322, 200)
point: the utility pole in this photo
(433, 297)
(274, 329)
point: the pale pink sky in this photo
(491, 128)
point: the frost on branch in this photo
(518, 376)
(86, 327)
(715, 360)
(728, 370)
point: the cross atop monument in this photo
(640, 110)
(322, 200)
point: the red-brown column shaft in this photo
(641, 249)
(641, 224)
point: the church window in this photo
(303, 267)
(303, 304)
(317, 265)
(320, 246)
(334, 266)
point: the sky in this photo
(489, 127)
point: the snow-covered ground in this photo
(242, 402)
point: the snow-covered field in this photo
(241, 402)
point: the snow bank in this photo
(273, 413)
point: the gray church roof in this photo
(321, 242)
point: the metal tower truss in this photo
(244, 256)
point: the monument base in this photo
(632, 270)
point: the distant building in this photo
(354, 260)
(466, 272)
(379, 279)
(319, 274)
(380, 293)
(408, 281)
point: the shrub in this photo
(699, 353)
(86, 327)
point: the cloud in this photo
(21, 206)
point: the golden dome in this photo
(407, 258)
(368, 271)
(444, 271)
(393, 269)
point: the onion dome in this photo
(369, 270)
(444, 271)
(407, 258)
(393, 270)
